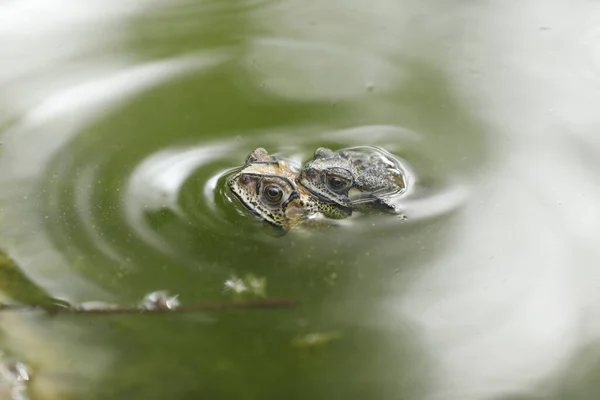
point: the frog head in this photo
(352, 179)
(266, 187)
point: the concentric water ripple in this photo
(173, 204)
(122, 127)
(186, 182)
(123, 194)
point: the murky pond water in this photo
(118, 123)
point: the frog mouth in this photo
(243, 200)
(293, 196)
(293, 208)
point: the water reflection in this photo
(114, 194)
(157, 184)
(320, 70)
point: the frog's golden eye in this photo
(272, 193)
(337, 183)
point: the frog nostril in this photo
(245, 179)
(311, 174)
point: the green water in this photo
(114, 148)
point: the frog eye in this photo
(337, 183)
(272, 193)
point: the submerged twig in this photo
(236, 305)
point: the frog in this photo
(266, 186)
(354, 179)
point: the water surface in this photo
(118, 122)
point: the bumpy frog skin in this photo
(360, 178)
(267, 188)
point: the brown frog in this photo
(267, 187)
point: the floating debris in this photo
(250, 285)
(160, 300)
(14, 377)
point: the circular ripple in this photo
(173, 202)
(130, 195)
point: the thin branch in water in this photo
(236, 305)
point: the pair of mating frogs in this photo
(333, 183)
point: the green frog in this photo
(359, 178)
(267, 187)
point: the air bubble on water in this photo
(160, 300)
